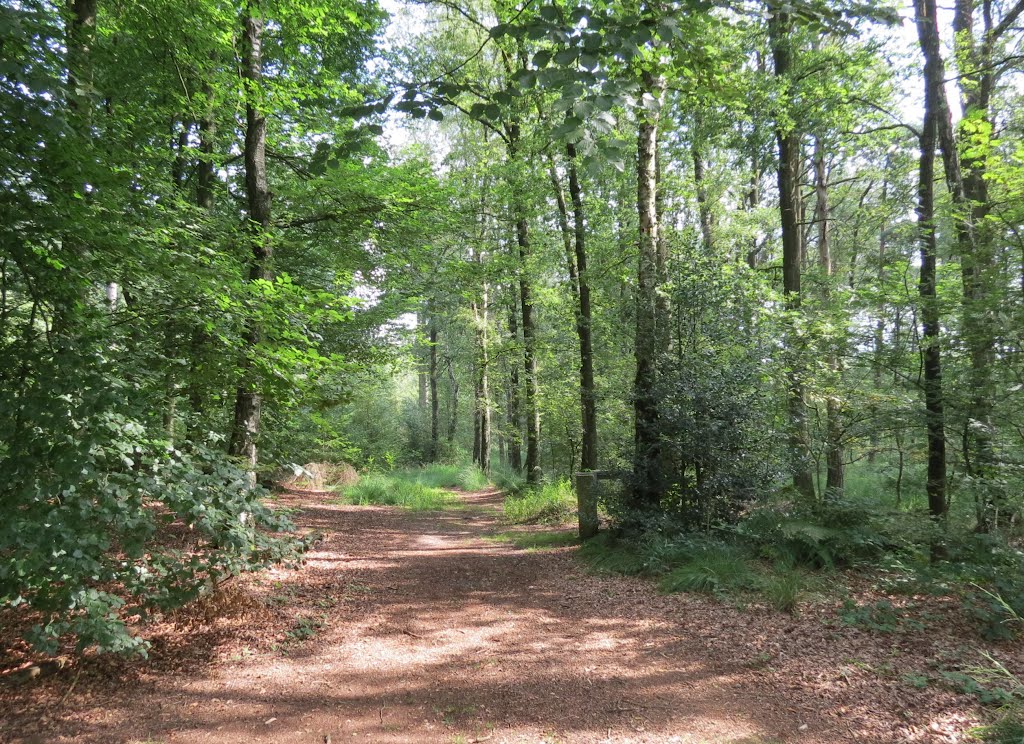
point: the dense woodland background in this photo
(762, 262)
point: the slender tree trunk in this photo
(206, 175)
(248, 400)
(435, 402)
(574, 240)
(453, 417)
(834, 454)
(476, 421)
(205, 180)
(647, 454)
(584, 325)
(482, 446)
(928, 34)
(533, 470)
(879, 332)
(752, 202)
(706, 216)
(81, 35)
(515, 422)
(790, 210)
(421, 368)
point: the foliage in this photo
(105, 521)
(820, 535)
(881, 616)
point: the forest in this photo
(714, 305)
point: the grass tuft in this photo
(713, 570)
(783, 589)
(608, 554)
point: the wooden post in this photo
(586, 499)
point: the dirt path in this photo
(411, 627)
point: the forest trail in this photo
(414, 627)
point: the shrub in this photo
(103, 521)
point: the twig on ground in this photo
(71, 688)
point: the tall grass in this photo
(386, 490)
(508, 479)
(551, 503)
(422, 489)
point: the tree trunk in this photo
(483, 402)
(515, 422)
(834, 455)
(205, 180)
(421, 369)
(81, 35)
(780, 28)
(706, 216)
(584, 326)
(533, 470)
(248, 400)
(879, 331)
(206, 175)
(977, 255)
(453, 417)
(574, 240)
(928, 34)
(435, 403)
(646, 490)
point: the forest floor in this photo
(408, 626)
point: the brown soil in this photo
(411, 627)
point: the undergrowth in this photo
(386, 490)
(701, 564)
(538, 540)
(551, 503)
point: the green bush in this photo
(551, 503)
(102, 520)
